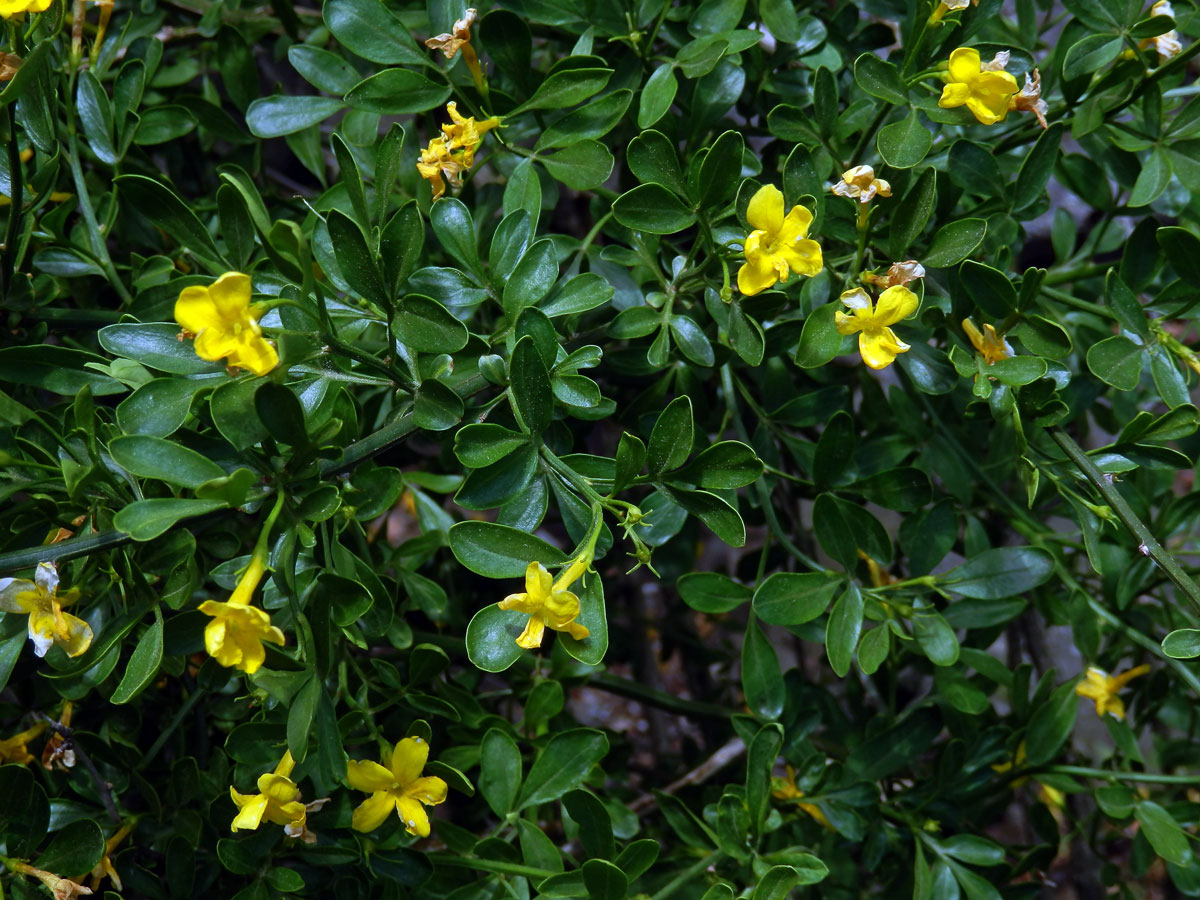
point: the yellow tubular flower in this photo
(10, 8)
(60, 888)
(876, 341)
(992, 346)
(48, 624)
(785, 789)
(459, 37)
(949, 6)
(15, 749)
(104, 868)
(277, 801)
(453, 152)
(547, 602)
(1102, 688)
(234, 637)
(987, 94)
(225, 325)
(861, 184)
(397, 785)
(778, 245)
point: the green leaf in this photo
(144, 520)
(500, 482)
(603, 880)
(582, 166)
(999, 572)
(301, 715)
(721, 517)
(905, 143)
(564, 88)
(1163, 832)
(1051, 724)
(792, 598)
(711, 592)
(533, 400)
(424, 325)
(671, 440)
(500, 771)
(881, 79)
(498, 551)
(776, 883)
(1036, 168)
(657, 95)
(843, 629)
(594, 120)
(279, 409)
(654, 209)
(1152, 180)
(1116, 361)
(592, 616)
(762, 679)
(935, 637)
(143, 663)
(161, 406)
(595, 825)
(579, 294)
(284, 114)
(532, 278)
(152, 457)
(912, 213)
(652, 158)
(723, 466)
(1182, 250)
(483, 443)
(562, 766)
(989, 288)
(954, 242)
(157, 346)
(397, 92)
(721, 170)
(492, 637)
(74, 851)
(842, 528)
(820, 340)
(1182, 643)
(369, 29)
(355, 260)
(163, 208)
(1093, 52)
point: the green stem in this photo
(1076, 274)
(1152, 777)
(1084, 305)
(691, 872)
(864, 139)
(16, 181)
(1148, 543)
(488, 865)
(171, 726)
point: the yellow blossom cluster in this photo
(452, 153)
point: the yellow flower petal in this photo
(369, 777)
(413, 815)
(531, 637)
(765, 211)
(964, 64)
(430, 790)
(373, 811)
(880, 347)
(250, 815)
(894, 304)
(408, 759)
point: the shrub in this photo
(589, 450)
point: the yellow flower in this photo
(785, 789)
(225, 324)
(15, 749)
(104, 868)
(48, 624)
(986, 94)
(1167, 45)
(397, 785)
(778, 245)
(1102, 688)
(61, 888)
(861, 184)
(949, 6)
(277, 801)
(10, 8)
(234, 637)
(876, 341)
(547, 602)
(458, 39)
(993, 346)
(453, 152)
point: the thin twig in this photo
(719, 760)
(102, 787)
